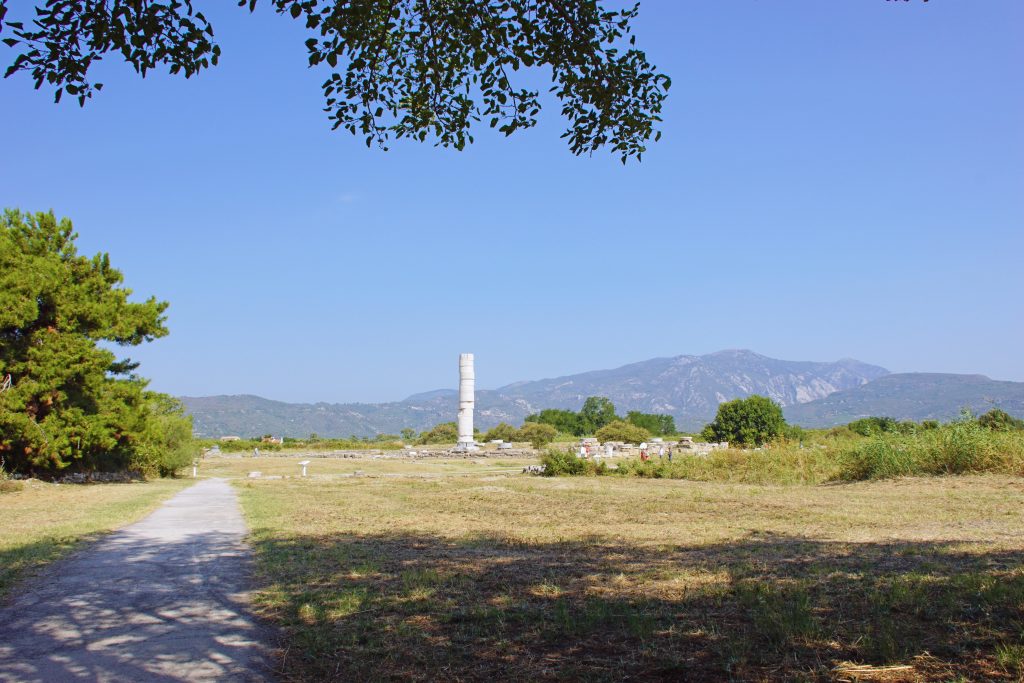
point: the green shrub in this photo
(794, 432)
(998, 420)
(878, 458)
(622, 431)
(558, 462)
(165, 443)
(870, 426)
(446, 432)
(537, 433)
(503, 431)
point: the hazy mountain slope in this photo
(911, 396)
(691, 387)
(688, 387)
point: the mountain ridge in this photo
(687, 386)
(912, 396)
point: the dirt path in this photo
(161, 600)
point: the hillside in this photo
(688, 387)
(911, 396)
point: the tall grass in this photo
(956, 448)
(788, 464)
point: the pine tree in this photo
(72, 403)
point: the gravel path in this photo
(161, 600)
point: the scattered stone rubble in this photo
(685, 445)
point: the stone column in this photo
(467, 388)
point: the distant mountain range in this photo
(911, 396)
(688, 387)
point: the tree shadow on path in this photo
(136, 608)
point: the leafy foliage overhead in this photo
(402, 68)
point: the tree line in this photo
(599, 412)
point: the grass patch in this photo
(783, 464)
(613, 578)
(956, 448)
(1010, 656)
(364, 467)
(962, 447)
(42, 522)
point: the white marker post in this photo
(304, 463)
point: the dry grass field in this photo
(42, 522)
(457, 570)
(333, 468)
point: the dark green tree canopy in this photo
(748, 421)
(655, 423)
(402, 68)
(565, 421)
(71, 402)
(597, 411)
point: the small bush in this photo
(503, 431)
(559, 462)
(998, 420)
(537, 433)
(794, 432)
(622, 431)
(165, 444)
(870, 426)
(446, 432)
(880, 457)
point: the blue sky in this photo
(835, 180)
